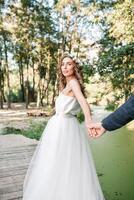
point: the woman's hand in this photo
(90, 128)
(95, 130)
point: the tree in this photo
(117, 49)
(121, 22)
(33, 33)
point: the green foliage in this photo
(34, 132)
(13, 97)
(111, 106)
(88, 70)
(117, 63)
(121, 22)
(16, 96)
(27, 3)
(42, 71)
(36, 35)
(80, 117)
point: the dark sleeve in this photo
(121, 116)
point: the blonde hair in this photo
(77, 73)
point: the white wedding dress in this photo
(62, 167)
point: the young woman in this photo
(62, 167)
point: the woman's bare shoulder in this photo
(73, 81)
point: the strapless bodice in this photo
(67, 105)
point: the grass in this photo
(34, 132)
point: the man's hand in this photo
(98, 130)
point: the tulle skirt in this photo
(62, 167)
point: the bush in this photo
(111, 106)
(16, 96)
(34, 132)
(13, 97)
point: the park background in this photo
(33, 36)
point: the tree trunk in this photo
(1, 82)
(33, 79)
(48, 77)
(7, 73)
(39, 94)
(27, 87)
(53, 97)
(1, 88)
(22, 80)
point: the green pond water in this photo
(113, 154)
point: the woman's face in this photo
(67, 67)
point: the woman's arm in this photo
(75, 86)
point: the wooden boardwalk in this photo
(13, 166)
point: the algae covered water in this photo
(113, 154)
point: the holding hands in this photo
(95, 130)
(115, 120)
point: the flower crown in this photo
(73, 57)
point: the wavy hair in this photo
(77, 73)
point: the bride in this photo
(62, 167)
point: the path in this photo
(14, 160)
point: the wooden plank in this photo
(13, 166)
(17, 149)
(12, 180)
(12, 196)
(16, 159)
